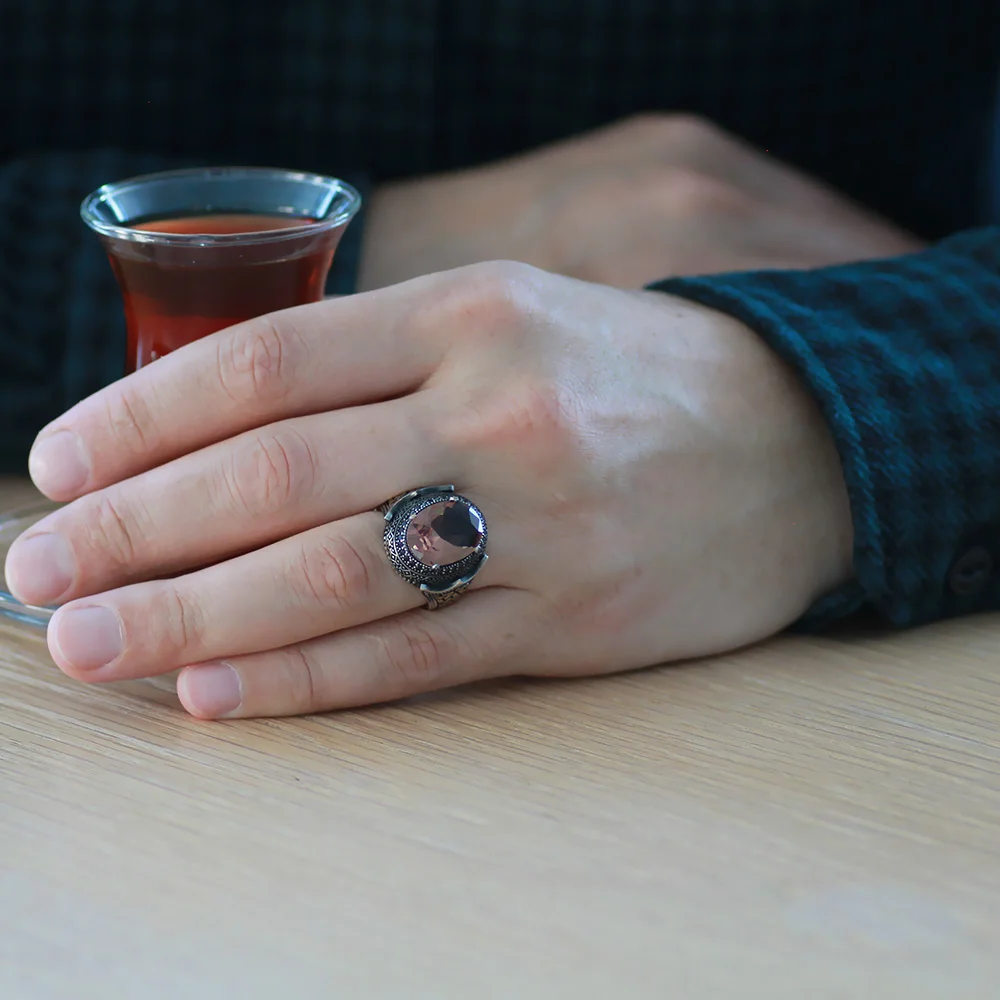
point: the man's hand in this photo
(647, 198)
(656, 483)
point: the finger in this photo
(330, 578)
(322, 356)
(322, 580)
(231, 497)
(485, 635)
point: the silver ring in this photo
(435, 539)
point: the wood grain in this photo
(812, 818)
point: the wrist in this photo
(794, 501)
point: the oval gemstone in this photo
(444, 533)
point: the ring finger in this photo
(264, 485)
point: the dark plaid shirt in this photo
(889, 100)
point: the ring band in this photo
(435, 539)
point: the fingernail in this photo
(212, 690)
(40, 569)
(58, 464)
(87, 638)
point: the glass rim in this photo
(11, 608)
(107, 192)
(24, 614)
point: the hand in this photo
(647, 198)
(656, 484)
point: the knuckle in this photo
(687, 193)
(255, 362)
(487, 299)
(500, 276)
(302, 679)
(184, 626)
(416, 654)
(271, 469)
(685, 128)
(129, 419)
(117, 530)
(336, 573)
(673, 127)
(604, 612)
(646, 123)
(534, 420)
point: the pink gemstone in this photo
(443, 533)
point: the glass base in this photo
(13, 524)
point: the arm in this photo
(903, 357)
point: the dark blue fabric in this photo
(993, 184)
(890, 102)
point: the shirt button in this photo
(971, 572)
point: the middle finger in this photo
(234, 496)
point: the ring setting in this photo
(435, 539)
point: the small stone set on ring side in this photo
(435, 539)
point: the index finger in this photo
(308, 359)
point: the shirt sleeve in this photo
(62, 331)
(903, 357)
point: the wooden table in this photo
(812, 818)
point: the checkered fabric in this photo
(888, 100)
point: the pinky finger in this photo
(482, 637)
